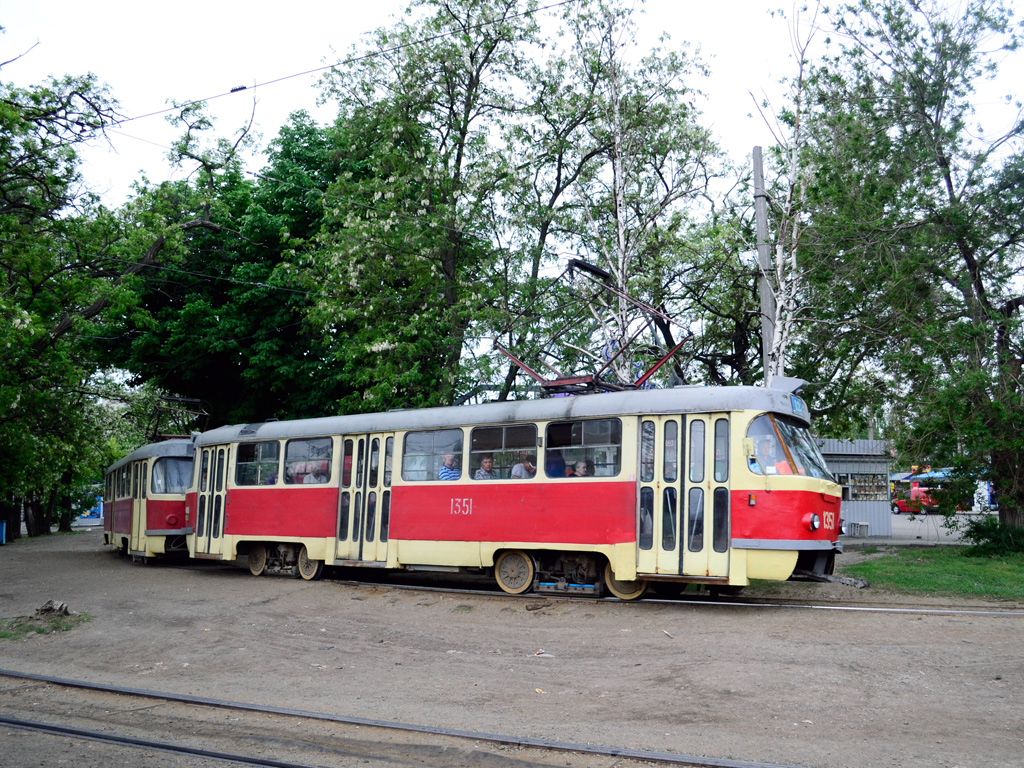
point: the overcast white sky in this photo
(152, 51)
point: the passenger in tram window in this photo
(448, 469)
(317, 475)
(272, 480)
(554, 465)
(486, 471)
(525, 469)
(579, 469)
(768, 456)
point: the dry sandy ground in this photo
(793, 686)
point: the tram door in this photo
(658, 525)
(706, 496)
(364, 501)
(138, 534)
(211, 501)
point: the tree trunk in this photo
(37, 521)
(10, 513)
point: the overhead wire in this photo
(344, 62)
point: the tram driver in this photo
(770, 459)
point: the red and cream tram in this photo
(587, 494)
(146, 491)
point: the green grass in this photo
(22, 626)
(943, 571)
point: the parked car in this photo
(919, 503)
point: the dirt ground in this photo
(793, 685)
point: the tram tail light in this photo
(812, 521)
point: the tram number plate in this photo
(830, 520)
(462, 506)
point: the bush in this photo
(990, 537)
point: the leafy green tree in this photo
(914, 235)
(408, 250)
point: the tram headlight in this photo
(842, 527)
(812, 521)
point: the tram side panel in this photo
(465, 524)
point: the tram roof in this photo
(686, 399)
(181, 447)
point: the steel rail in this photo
(670, 758)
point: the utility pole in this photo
(764, 263)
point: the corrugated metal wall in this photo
(863, 466)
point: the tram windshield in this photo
(784, 446)
(171, 475)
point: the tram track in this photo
(711, 601)
(218, 730)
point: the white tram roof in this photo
(181, 447)
(685, 399)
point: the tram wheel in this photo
(310, 570)
(258, 559)
(514, 572)
(624, 590)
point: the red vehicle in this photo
(919, 503)
(667, 486)
(144, 496)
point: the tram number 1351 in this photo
(462, 506)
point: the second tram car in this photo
(145, 493)
(587, 494)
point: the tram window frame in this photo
(257, 463)
(506, 445)
(598, 442)
(698, 430)
(300, 453)
(423, 453)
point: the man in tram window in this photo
(486, 471)
(526, 469)
(448, 469)
(768, 456)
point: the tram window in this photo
(134, 492)
(385, 515)
(142, 481)
(668, 519)
(424, 454)
(389, 449)
(205, 476)
(720, 538)
(721, 450)
(768, 456)
(220, 471)
(647, 452)
(593, 447)
(343, 517)
(507, 448)
(671, 468)
(346, 465)
(695, 525)
(171, 475)
(257, 463)
(802, 448)
(371, 514)
(697, 451)
(646, 536)
(308, 461)
(374, 461)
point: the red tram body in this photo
(691, 484)
(145, 495)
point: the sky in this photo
(155, 51)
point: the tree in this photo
(922, 215)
